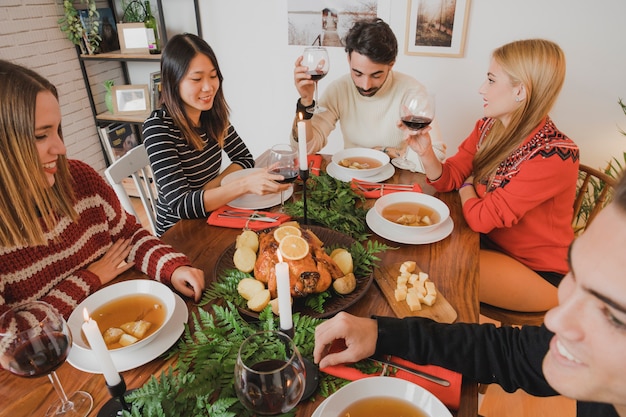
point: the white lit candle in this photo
(284, 293)
(302, 143)
(99, 348)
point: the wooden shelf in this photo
(118, 56)
(129, 118)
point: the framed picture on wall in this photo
(436, 27)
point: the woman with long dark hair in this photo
(186, 136)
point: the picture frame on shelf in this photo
(436, 27)
(117, 139)
(133, 38)
(107, 29)
(155, 90)
(130, 99)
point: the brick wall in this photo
(30, 36)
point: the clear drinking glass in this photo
(269, 373)
(417, 110)
(316, 58)
(284, 161)
(34, 341)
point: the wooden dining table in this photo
(451, 263)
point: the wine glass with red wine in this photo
(316, 58)
(269, 373)
(417, 110)
(34, 341)
(284, 161)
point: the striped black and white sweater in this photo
(181, 171)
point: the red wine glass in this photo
(417, 110)
(269, 373)
(284, 161)
(316, 59)
(34, 341)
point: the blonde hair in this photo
(538, 65)
(28, 205)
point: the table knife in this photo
(429, 377)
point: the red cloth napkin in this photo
(378, 190)
(215, 220)
(450, 396)
(314, 162)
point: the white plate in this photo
(382, 386)
(254, 201)
(125, 360)
(334, 171)
(375, 222)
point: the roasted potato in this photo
(259, 301)
(248, 238)
(345, 284)
(343, 259)
(249, 287)
(244, 259)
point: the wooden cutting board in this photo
(386, 278)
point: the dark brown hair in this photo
(177, 55)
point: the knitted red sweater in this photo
(56, 272)
(528, 213)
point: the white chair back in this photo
(134, 164)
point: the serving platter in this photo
(335, 303)
(386, 278)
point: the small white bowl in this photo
(116, 291)
(350, 153)
(442, 210)
(382, 386)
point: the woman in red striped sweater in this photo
(63, 232)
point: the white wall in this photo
(250, 40)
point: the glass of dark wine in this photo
(34, 341)
(316, 58)
(284, 161)
(417, 110)
(269, 373)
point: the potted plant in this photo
(86, 36)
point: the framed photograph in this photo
(436, 27)
(117, 139)
(130, 99)
(107, 29)
(133, 38)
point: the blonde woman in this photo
(516, 174)
(63, 232)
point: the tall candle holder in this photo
(304, 176)
(117, 404)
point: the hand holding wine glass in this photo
(269, 373)
(417, 110)
(34, 341)
(284, 161)
(316, 59)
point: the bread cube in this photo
(127, 340)
(407, 266)
(137, 329)
(112, 335)
(400, 294)
(413, 302)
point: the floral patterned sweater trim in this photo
(547, 142)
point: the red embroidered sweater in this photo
(56, 272)
(528, 211)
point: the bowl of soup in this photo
(129, 314)
(411, 212)
(360, 162)
(382, 396)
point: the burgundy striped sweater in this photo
(56, 272)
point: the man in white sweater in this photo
(366, 101)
